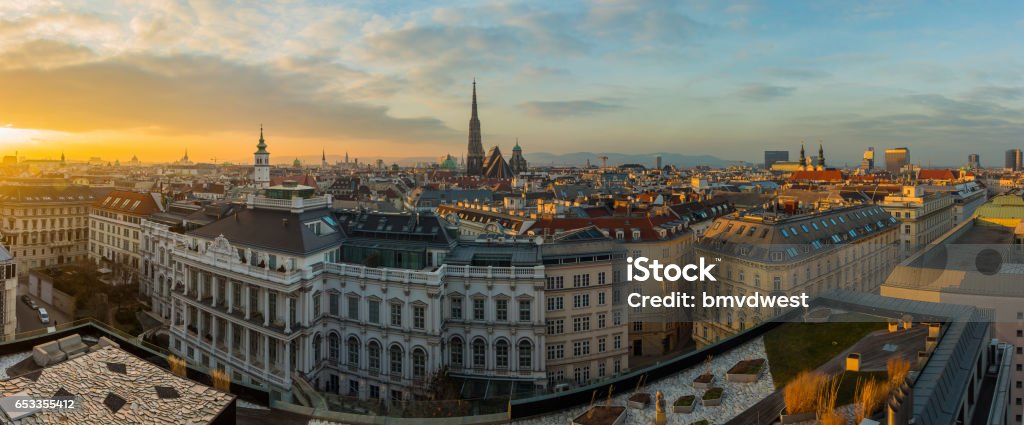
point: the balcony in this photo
(432, 278)
(295, 204)
(244, 269)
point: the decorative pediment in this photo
(221, 250)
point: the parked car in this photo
(43, 315)
(29, 302)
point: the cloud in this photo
(44, 54)
(195, 94)
(764, 92)
(554, 110)
(658, 21)
(795, 73)
(996, 93)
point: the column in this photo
(188, 280)
(213, 331)
(287, 361)
(186, 314)
(266, 307)
(174, 321)
(288, 315)
(247, 292)
(231, 339)
(231, 294)
(213, 291)
(200, 279)
(266, 352)
(248, 347)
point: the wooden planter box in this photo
(603, 415)
(677, 408)
(711, 402)
(639, 401)
(746, 371)
(699, 383)
(797, 418)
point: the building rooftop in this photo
(766, 236)
(112, 386)
(280, 231)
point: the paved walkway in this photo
(873, 358)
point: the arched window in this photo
(479, 353)
(317, 347)
(419, 363)
(334, 348)
(456, 352)
(395, 366)
(525, 355)
(501, 355)
(373, 356)
(353, 352)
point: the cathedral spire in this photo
(474, 116)
(475, 151)
(821, 156)
(803, 157)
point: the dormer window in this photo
(636, 235)
(619, 235)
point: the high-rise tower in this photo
(261, 172)
(475, 155)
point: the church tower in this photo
(261, 174)
(475, 156)
(821, 157)
(803, 158)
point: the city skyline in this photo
(393, 80)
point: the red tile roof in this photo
(132, 203)
(936, 175)
(818, 176)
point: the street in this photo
(28, 319)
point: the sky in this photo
(393, 78)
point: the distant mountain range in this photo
(573, 159)
(647, 159)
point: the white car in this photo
(44, 316)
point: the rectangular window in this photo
(501, 310)
(555, 304)
(616, 342)
(600, 278)
(524, 310)
(456, 308)
(478, 308)
(353, 308)
(580, 324)
(555, 326)
(333, 304)
(374, 311)
(600, 298)
(600, 345)
(601, 321)
(419, 314)
(396, 315)
(556, 351)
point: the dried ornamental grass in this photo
(801, 394)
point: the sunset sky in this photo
(393, 78)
